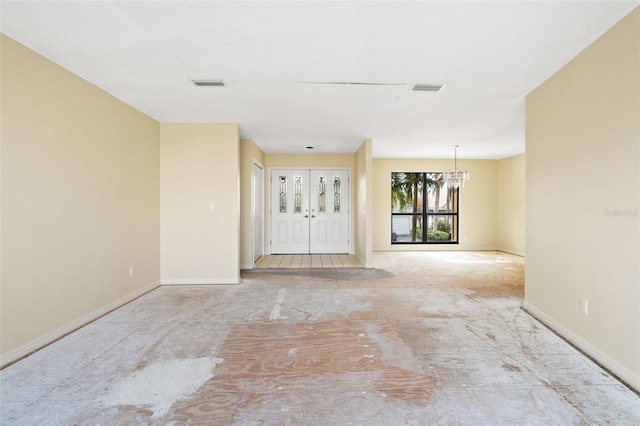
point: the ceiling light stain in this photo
(350, 83)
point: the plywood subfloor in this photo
(439, 338)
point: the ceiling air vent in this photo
(427, 87)
(209, 83)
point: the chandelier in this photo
(456, 178)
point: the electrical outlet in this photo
(584, 306)
(132, 270)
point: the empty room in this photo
(319, 213)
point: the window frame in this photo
(424, 215)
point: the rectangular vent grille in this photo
(209, 83)
(427, 87)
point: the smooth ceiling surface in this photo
(273, 55)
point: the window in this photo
(423, 209)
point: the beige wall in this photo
(583, 189)
(511, 196)
(309, 160)
(362, 201)
(302, 161)
(80, 201)
(200, 203)
(478, 203)
(249, 151)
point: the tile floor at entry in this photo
(293, 261)
(439, 339)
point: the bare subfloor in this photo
(438, 338)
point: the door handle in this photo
(306, 215)
(313, 215)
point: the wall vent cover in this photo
(209, 83)
(427, 87)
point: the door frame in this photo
(253, 210)
(269, 186)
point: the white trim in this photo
(606, 361)
(253, 212)
(443, 247)
(42, 341)
(514, 252)
(200, 281)
(366, 265)
(246, 266)
(432, 247)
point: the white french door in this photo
(309, 211)
(289, 211)
(329, 203)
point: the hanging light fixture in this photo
(456, 178)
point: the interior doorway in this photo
(309, 211)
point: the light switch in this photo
(212, 206)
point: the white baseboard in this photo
(515, 252)
(56, 334)
(246, 266)
(200, 281)
(431, 247)
(606, 361)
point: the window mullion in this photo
(425, 193)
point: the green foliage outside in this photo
(438, 236)
(445, 226)
(433, 236)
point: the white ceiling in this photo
(489, 55)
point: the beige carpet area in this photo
(426, 338)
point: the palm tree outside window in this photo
(424, 210)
